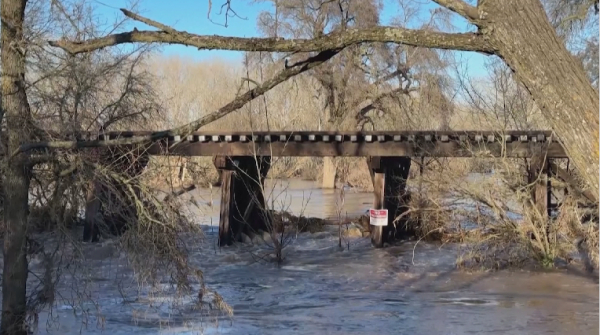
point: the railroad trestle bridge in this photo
(244, 158)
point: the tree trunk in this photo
(14, 283)
(526, 41)
(17, 176)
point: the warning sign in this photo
(378, 217)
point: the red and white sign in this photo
(378, 217)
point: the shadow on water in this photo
(321, 289)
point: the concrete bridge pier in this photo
(243, 206)
(329, 173)
(389, 175)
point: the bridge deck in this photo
(366, 143)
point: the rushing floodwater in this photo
(320, 289)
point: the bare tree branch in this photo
(228, 10)
(148, 21)
(336, 40)
(461, 8)
(187, 129)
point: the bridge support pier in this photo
(539, 173)
(329, 173)
(243, 206)
(109, 209)
(91, 231)
(389, 175)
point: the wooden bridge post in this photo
(243, 205)
(91, 231)
(102, 213)
(225, 232)
(397, 196)
(421, 171)
(251, 208)
(539, 173)
(377, 170)
(389, 175)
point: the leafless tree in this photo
(498, 101)
(368, 85)
(517, 31)
(576, 22)
(48, 95)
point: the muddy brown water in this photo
(320, 289)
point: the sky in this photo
(191, 16)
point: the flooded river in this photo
(320, 289)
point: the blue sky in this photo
(191, 16)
